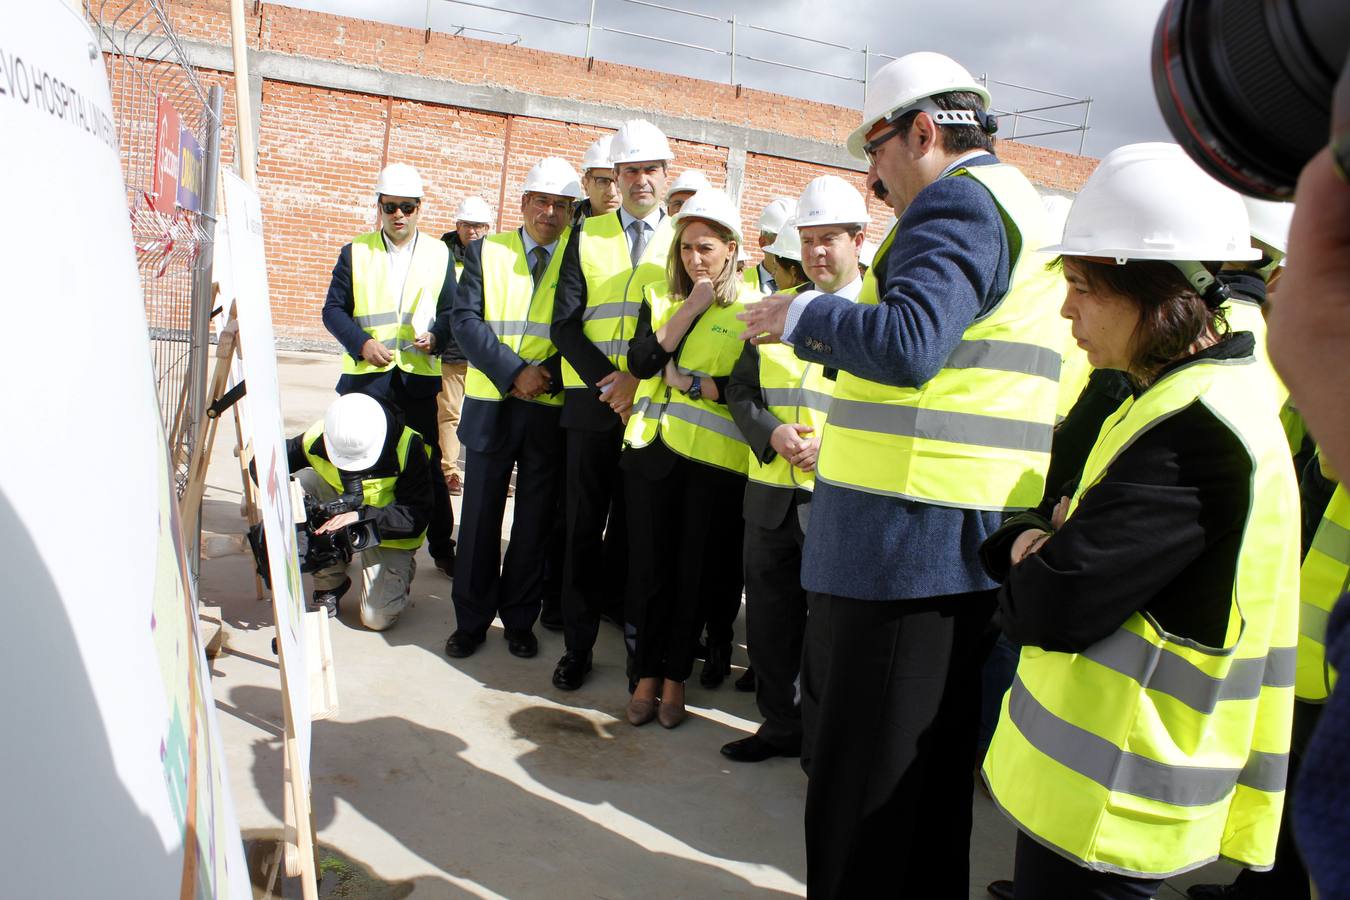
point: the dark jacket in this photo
(1160, 532)
(410, 512)
(481, 424)
(949, 264)
(450, 351)
(337, 318)
(765, 505)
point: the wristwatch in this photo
(695, 391)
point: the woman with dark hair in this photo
(1147, 730)
(684, 459)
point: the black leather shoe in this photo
(462, 644)
(571, 671)
(1000, 890)
(551, 618)
(716, 666)
(522, 643)
(746, 683)
(754, 749)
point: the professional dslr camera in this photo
(1249, 87)
(319, 551)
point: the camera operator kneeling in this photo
(356, 465)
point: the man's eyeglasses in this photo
(407, 206)
(541, 203)
(870, 148)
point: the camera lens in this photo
(1245, 85)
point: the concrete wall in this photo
(336, 98)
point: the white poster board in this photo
(111, 773)
(248, 263)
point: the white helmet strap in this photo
(940, 116)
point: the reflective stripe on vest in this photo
(1324, 578)
(377, 491)
(701, 430)
(518, 314)
(614, 286)
(1148, 754)
(376, 307)
(977, 435)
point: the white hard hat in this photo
(474, 209)
(354, 429)
(714, 205)
(399, 180)
(689, 180)
(552, 175)
(902, 83)
(1056, 211)
(788, 242)
(1270, 224)
(597, 155)
(776, 213)
(639, 141)
(868, 254)
(1149, 201)
(830, 200)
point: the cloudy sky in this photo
(1091, 48)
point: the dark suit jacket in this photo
(765, 505)
(337, 318)
(483, 423)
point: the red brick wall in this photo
(320, 151)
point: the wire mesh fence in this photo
(148, 72)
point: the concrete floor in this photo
(455, 778)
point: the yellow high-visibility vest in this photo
(795, 391)
(377, 491)
(701, 430)
(376, 306)
(1244, 315)
(614, 285)
(1149, 754)
(976, 435)
(516, 312)
(1325, 577)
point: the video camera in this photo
(320, 551)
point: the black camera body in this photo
(320, 551)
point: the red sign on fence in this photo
(168, 136)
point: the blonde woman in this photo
(684, 459)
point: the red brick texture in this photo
(320, 151)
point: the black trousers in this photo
(775, 624)
(815, 668)
(486, 585)
(892, 774)
(1042, 874)
(419, 414)
(685, 535)
(595, 563)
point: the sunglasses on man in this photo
(407, 206)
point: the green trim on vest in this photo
(700, 430)
(1325, 577)
(977, 435)
(376, 309)
(517, 313)
(377, 491)
(614, 286)
(1149, 754)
